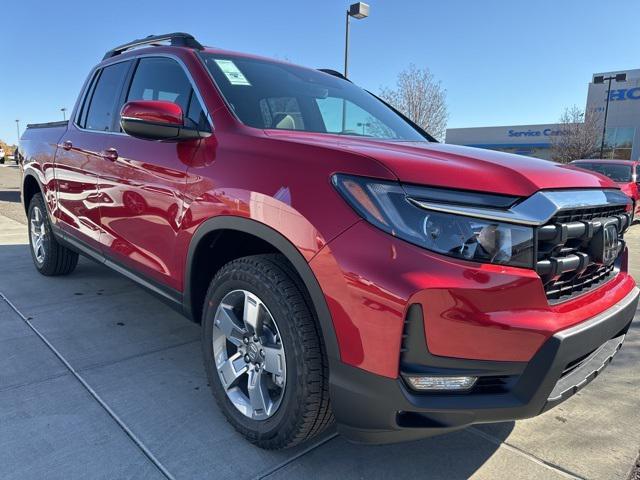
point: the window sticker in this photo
(232, 72)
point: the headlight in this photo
(387, 205)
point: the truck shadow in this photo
(455, 455)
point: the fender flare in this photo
(23, 181)
(284, 247)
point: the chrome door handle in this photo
(67, 145)
(110, 154)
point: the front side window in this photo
(161, 78)
(101, 106)
(271, 95)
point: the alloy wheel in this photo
(38, 234)
(249, 355)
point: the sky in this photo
(502, 62)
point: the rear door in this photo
(142, 203)
(81, 158)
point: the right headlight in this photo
(388, 206)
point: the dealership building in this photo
(622, 139)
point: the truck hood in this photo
(454, 166)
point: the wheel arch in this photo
(30, 186)
(273, 242)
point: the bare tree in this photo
(578, 136)
(421, 98)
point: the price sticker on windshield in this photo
(232, 72)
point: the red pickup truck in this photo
(343, 265)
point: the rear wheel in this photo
(263, 353)
(49, 257)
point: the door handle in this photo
(110, 154)
(67, 145)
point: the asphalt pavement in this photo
(99, 379)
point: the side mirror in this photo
(157, 120)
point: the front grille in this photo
(588, 213)
(566, 261)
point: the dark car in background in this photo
(623, 172)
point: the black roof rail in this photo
(335, 73)
(178, 39)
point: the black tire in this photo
(2, 161)
(305, 410)
(58, 259)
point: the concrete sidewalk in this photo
(98, 379)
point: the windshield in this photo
(615, 171)
(270, 95)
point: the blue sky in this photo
(502, 62)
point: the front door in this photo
(142, 187)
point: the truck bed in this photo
(63, 123)
(39, 142)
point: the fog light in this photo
(424, 383)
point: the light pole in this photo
(364, 125)
(358, 11)
(18, 128)
(64, 115)
(620, 77)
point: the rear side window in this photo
(161, 78)
(103, 102)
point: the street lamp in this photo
(64, 115)
(358, 11)
(620, 77)
(18, 128)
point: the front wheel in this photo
(49, 257)
(263, 353)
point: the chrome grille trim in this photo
(535, 210)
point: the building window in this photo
(618, 143)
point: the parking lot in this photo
(98, 379)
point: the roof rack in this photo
(178, 39)
(335, 73)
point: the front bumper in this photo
(371, 408)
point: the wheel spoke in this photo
(227, 322)
(39, 249)
(273, 360)
(258, 394)
(251, 313)
(231, 369)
